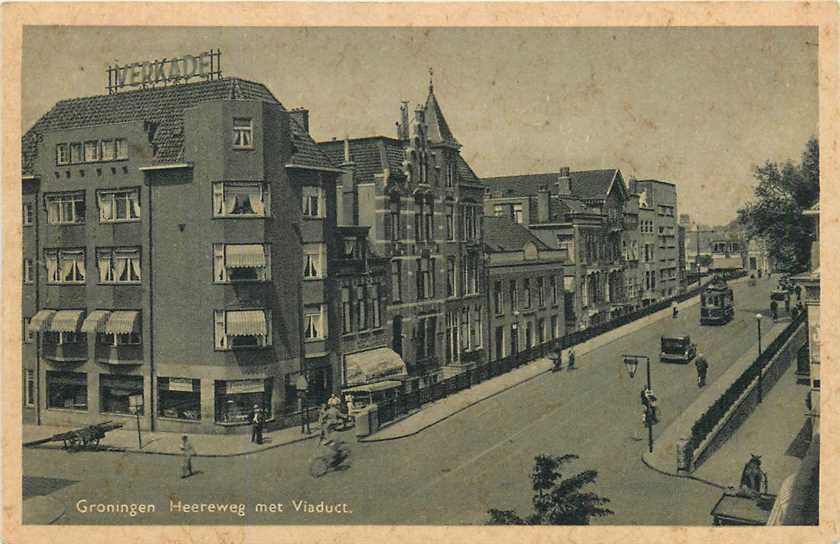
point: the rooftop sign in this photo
(148, 74)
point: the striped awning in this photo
(40, 322)
(67, 321)
(244, 256)
(246, 323)
(372, 366)
(123, 322)
(95, 321)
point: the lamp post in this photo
(759, 361)
(631, 362)
(302, 387)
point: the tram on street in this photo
(717, 304)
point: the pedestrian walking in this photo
(798, 290)
(787, 303)
(255, 424)
(348, 401)
(774, 309)
(188, 452)
(674, 309)
(702, 366)
(334, 401)
(322, 420)
(571, 358)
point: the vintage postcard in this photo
(312, 272)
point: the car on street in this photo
(677, 349)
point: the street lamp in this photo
(302, 386)
(759, 361)
(631, 362)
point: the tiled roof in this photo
(164, 106)
(438, 128)
(502, 234)
(585, 184)
(370, 155)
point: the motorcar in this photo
(778, 295)
(678, 349)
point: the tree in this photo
(783, 193)
(557, 501)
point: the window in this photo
(452, 343)
(396, 280)
(106, 150)
(29, 387)
(346, 311)
(450, 173)
(428, 268)
(465, 329)
(376, 305)
(470, 269)
(91, 151)
(75, 153)
(526, 289)
(121, 145)
(450, 221)
(420, 278)
(554, 290)
(119, 339)
(314, 261)
(450, 276)
(65, 266)
(393, 226)
(27, 271)
(418, 218)
(65, 208)
(234, 263)
(115, 392)
(179, 398)
(517, 214)
(314, 322)
(240, 199)
(243, 133)
(28, 335)
(313, 202)
(540, 292)
(242, 329)
(555, 327)
(430, 219)
(66, 390)
(479, 333)
(235, 400)
(62, 155)
(470, 221)
(118, 206)
(361, 308)
(514, 298)
(28, 214)
(498, 298)
(540, 331)
(499, 210)
(64, 338)
(425, 337)
(118, 265)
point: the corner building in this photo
(170, 225)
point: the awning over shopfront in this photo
(95, 321)
(246, 323)
(40, 322)
(123, 322)
(244, 256)
(67, 321)
(726, 263)
(372, 366)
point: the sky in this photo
(698, 107)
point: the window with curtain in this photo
(361, 308)
(465, 329)
(233, 263)
(118, 206)
(118, 265)
(376, 305)
(242, 329)
(243, 133)
(62, 155)
(232, 199)
(313, 202)
(314, 326)
(346, 310)
(314, 261)
(76, 153)
(65, 266)
(107, 151)
(65, 208)
(91, 151)
(121, 145)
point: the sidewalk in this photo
(167, 443)
(438, 411)
(664, 456)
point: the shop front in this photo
(235, 400)
(179, 398)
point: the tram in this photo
(717, 304)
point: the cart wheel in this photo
(318, 467)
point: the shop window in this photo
(233, 263)
(28, 214)
(235, 400)
(313, 202)
(29, 388)
(179, 398)
(65, 208)
(242, 329)
(118, 206)
(240, 199)
(115, 392)
(118, 265)
(243, 133)
(66, 390)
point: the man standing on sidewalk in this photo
(774, 309)
(702, 366)
(188, 452)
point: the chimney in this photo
(564, 182)
(348, 159)
(301, 116)
(543, 204)
(402, 126)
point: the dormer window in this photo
(243, 133)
